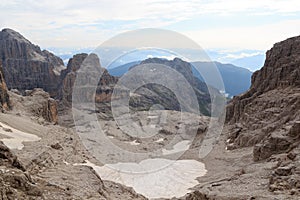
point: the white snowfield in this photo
(174, 180)
(15, 137)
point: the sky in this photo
(214, 24)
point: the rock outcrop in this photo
(37, 103)
(280, 72)
(15, 182)
(68, 77)
(272, 105)
(286, 175)
(4, 97)
(26, 66)
(267, 116)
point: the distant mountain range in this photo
(252, 63)
(122, 69)
(236, 79)
(249, 59)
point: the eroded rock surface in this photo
(267, 116)
(26, 66)
(46, 169)
(4, 97)
(106, 81)
(68, 77)
(35, 103)
(15, 182)
(266, 112)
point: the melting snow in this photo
(16, 137)
(174, 180)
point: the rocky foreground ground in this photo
(44, 169)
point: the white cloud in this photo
(241, 55)
(255, 37)
(86, 23)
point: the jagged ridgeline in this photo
(26, 66)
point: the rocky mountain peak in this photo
(68, 77)
(9, 34)
(75, 62)
(281, 68)
(26, 66)
(178, 64)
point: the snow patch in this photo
(16, 137)
(174, 180)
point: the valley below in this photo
(53, 147)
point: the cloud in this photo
(260, 37)
(86, 23)
(241, 55)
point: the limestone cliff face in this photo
(4, 97)
(273, 101)
(68, 77)
(26, 66)
(280, 73)
(268, 115)
(105, 87)
(281, 68)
